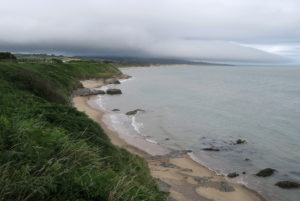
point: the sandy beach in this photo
(177, 173)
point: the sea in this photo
(190, 107)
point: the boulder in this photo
(226, 187)
(201, 180)
(82, 92)
(240, 141)
(112, 81)
(211, 149)
(115, 110)
(96, 92)
(124, 76)
(133, 112)
(88, 92)
(233, 175)
(265, 172)
(113, 91)
(287, 184)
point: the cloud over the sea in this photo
(192, 29)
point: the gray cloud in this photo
(192, 29)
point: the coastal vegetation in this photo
(51, 151)
(7, 56)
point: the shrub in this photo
(7, 56)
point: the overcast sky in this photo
(217, 30)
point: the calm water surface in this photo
(195, 107)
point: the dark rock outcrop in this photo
(96, 91)
(88, 92)
(240, 141)
(113, 91)
(233, 175)
(133, 112)
(115, 110)
(112, 81)
(266, 172)
(211, 149)
(287, 184)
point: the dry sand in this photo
(185, 179)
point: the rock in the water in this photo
(133, 112)
(88, 92)
(96, 91)
(124, 76)
(112, 81)
(115, 110)
(244, 172)
(225, 187)
(232, 175)
(167, 138)
(240, 141)
(211, 149)
(265, 172)
(287, 184)
(113, 91)
(247, 159)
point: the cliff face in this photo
(51, 151)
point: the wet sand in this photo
(177, 173)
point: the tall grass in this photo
(51, 151)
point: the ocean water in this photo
(196, 107)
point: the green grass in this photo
(51, 151)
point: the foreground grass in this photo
(51, 151)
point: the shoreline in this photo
(152, 66)
(176, 173)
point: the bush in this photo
(7, 56)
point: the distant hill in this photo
(116, 60)
(139, 61)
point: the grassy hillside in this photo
(51, 151)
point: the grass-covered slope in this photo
(51, 151)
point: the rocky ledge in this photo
(233, 175)
(266, 172)
(87, 92)
(133, 112)
(113, 91)
(211, 149)
(287, 184)
(112, 81)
